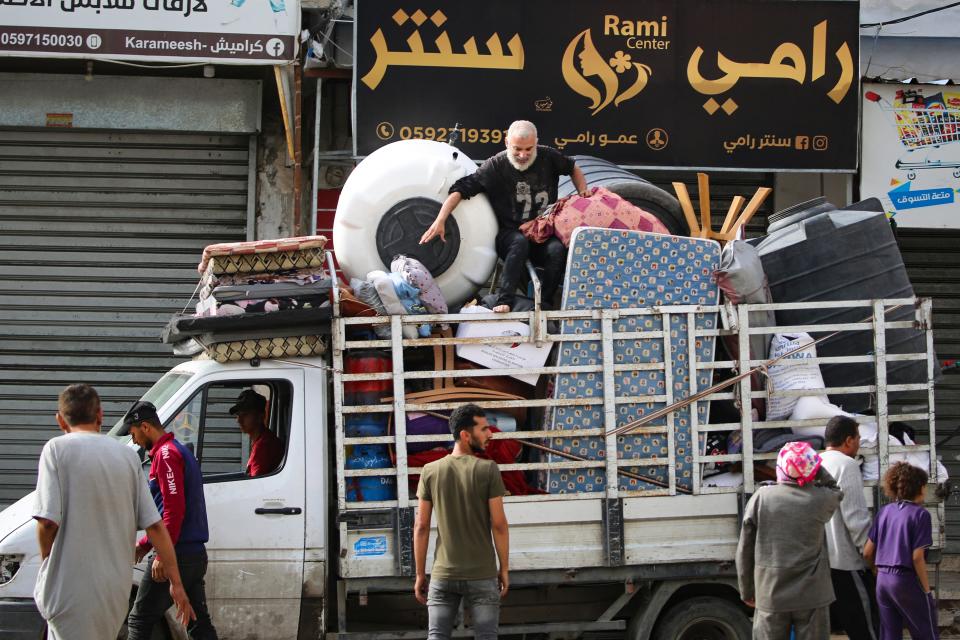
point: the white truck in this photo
(292, 557)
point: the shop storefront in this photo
(112, 180)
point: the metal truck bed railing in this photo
(875, 312)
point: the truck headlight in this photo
(9, 565)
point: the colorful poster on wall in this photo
(911, 152)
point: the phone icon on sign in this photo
(384, 130)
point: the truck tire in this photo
(632, 188)
(391, 198)
(703, 618)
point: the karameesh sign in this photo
(697, 83)
(222, 31)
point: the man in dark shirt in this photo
(520, 182)
(177, 488)
(266, 450)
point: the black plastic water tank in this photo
(844, 255)
(630, 187)
(798, 212)
(810, 208)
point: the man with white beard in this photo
(520, 182)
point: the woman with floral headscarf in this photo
(782, 561)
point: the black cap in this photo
(140, 411)
(249, 400)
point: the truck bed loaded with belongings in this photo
(674, 368)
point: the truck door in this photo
(256, 523)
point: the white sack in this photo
(791, 373)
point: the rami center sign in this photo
(666, 83)
(221, 31)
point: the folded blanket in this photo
(367, 293)
(417, 275)
(390, 299)
(263, 291)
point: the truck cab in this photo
(267, 549)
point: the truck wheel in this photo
(391, 198)
(703, 618)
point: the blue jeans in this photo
(482, 597)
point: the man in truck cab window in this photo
(520, 182)
(266, 450)
(467, 494)
(177, 489)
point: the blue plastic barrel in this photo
(370, 488)
(365, 425)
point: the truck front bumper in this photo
(20, 619)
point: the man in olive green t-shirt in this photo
(467, 494)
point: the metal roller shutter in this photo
(100, 235)
(932, 257)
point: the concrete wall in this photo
(794, 188)
(275, 173)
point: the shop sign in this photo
(665, 83)
(220, 31)
(911, 153)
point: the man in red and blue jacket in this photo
(177, 488)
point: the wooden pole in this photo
(297, 149)
(703, 186)
(732, 213)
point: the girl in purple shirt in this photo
(895, 545)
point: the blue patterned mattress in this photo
(609, 269)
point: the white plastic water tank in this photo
(391, 198)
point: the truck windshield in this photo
(158, 394)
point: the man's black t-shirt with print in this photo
(517, 196)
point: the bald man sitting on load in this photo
(520, 182)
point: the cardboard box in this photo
(501, 356)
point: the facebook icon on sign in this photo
(275, 47)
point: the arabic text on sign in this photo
(417, 56)
(592, 139)
(770, 141)
(786, 62)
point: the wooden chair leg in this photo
(687, 207)
(703, 185)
